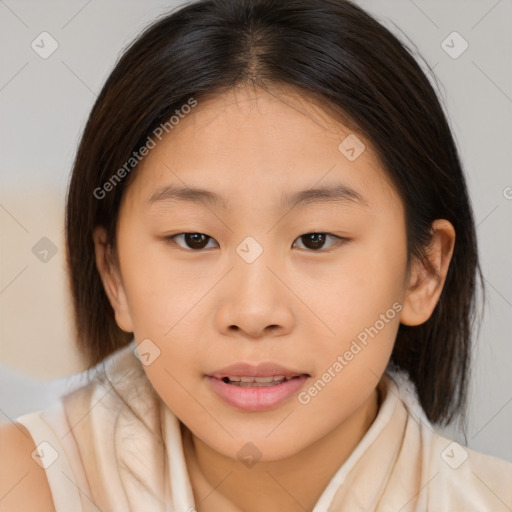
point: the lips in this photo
(256, 388)
(243, 372)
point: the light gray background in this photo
(44, 104)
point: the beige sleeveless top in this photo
(113, 445)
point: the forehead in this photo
(253, 143)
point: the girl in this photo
(273, 262)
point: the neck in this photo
(293, 484)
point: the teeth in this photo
(266, 379)
(257, 381)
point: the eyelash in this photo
(341, 240)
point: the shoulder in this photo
(82, 430)
(453, 476)
(465, 477)
(23, 482)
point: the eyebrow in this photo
(337, 192)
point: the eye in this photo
(316, 241)
(195, 241)
(199, 241)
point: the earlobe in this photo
(427, 279)
(111, 279)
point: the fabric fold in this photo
(121, 450)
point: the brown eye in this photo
(316, 241)
(194, 241)
(311, 241)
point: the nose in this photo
(253, 301)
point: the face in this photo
(315, 287)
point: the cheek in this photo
(359, 301)
(360, 286)
(163, 300)
(159, 292)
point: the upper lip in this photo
(261, 370)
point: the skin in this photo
(295, 305)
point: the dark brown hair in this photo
(327, 50)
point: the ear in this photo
(111, 279)
(424, 287)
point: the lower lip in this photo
(256, 398)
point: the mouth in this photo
(256, 388)
(247, 382)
